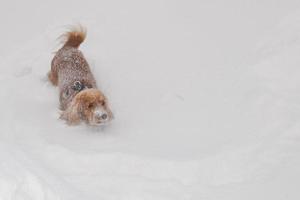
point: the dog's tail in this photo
(74, 37)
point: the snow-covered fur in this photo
(80, 100)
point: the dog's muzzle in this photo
(101, 116)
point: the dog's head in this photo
(89, 105)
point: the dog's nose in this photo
(104, 116)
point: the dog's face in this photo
(89, 105)
(94, 109)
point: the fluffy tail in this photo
(74, 37)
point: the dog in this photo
(80, 99)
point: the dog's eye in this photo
(91, 105)
(102, 103)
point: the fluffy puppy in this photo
(80, 100)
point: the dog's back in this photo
(69, 66)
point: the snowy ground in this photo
(205, 96)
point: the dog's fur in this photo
(69, 66)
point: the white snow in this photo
(205, 96)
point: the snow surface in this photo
(205, 96)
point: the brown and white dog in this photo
(80, 100)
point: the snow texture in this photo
(205, 96)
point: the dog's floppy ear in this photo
(72, 113)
